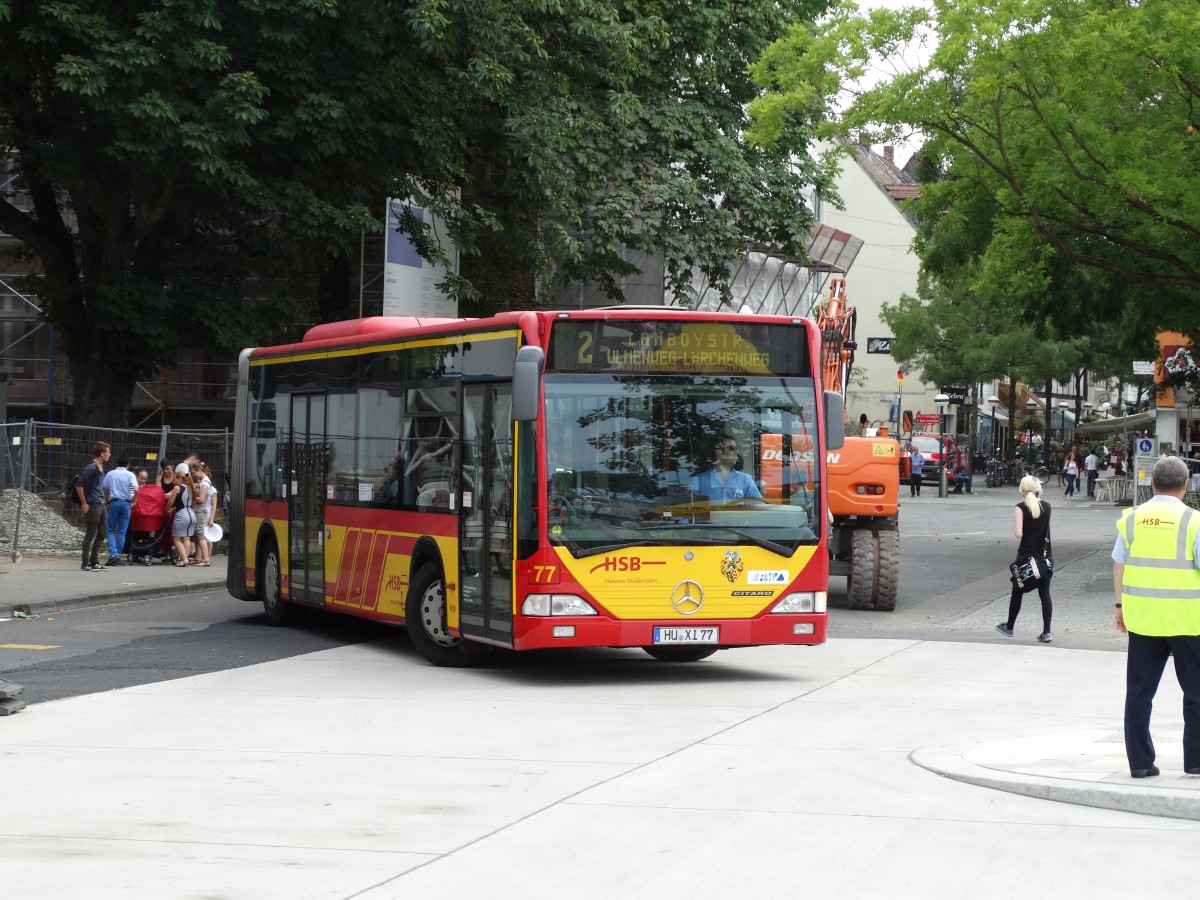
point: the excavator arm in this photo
(863, 477)
(836, 321)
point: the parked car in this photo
(935, 454)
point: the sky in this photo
(885, 67)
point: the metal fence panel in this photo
(41, 458)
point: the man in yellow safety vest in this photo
(1156, 578)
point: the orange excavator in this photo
(863, 478)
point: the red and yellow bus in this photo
(540, 479)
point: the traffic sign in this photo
(1143, 367)
(1146, 446)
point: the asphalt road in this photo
(954, 587)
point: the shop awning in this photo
(1117, 424)
(985, 412)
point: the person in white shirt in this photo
(1092, 465)
(120, 488)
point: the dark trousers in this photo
(1143, 672)
(1014, 602)
(1092, 475)
(914, 484)
(95, 521)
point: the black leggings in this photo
(1014, 603)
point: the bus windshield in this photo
(637, 460)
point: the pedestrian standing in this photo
(203, 504)
(914, 479)
(183, 523)
(1156, 579)
(1071, 473)
(1031, 526)
(91, 500)
(1092, 466)
(166, 476)
(120, 489)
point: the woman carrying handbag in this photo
(1031, 525)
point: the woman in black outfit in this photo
(1031, 524)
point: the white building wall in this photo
(885, 268)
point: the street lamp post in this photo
(1063, 406)
(1105, 407)
(1030, 406)
(993, 402)
(941, 400)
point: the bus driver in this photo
(723, 483)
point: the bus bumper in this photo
(596, 631)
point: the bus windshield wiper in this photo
(752, 538)
(613, 548)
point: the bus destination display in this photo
(677, 348)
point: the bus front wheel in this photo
(278, 610)
(680, 654)
(425, 621)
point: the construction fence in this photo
(41, 458)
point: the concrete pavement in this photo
(864, 768)
(53, 581)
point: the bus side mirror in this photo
(527, 383)
(835, 416)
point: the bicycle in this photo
(1014, 471)
(995, 473)
(1041, 473)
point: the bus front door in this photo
(306, 499)
(485, 524)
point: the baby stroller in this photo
(149, 535)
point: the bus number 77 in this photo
(545, 575)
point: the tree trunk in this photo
(1012, 417)
(334, 301)
(102, 393)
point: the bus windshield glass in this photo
(640, 459)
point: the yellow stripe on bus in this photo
(383, 348)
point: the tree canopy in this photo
(1075, 118)
(175, 151)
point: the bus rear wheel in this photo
(278, 611)
(680, 654)
(425, 621)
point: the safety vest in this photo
(1160, 590)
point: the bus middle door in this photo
(306, 499)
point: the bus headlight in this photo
(802, 602)
(556, 605)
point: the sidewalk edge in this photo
(948, 760)
(127, 595)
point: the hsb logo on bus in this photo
(625, 564)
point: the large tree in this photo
(1080, 116)
(985, 310)
(173, 150)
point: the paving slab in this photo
(360, 771)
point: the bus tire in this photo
(681, 654)
(425, 621)
(888, 582)
(864, 563)
(270, 587)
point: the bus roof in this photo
(373, 329)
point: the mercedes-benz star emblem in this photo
(687, 598)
